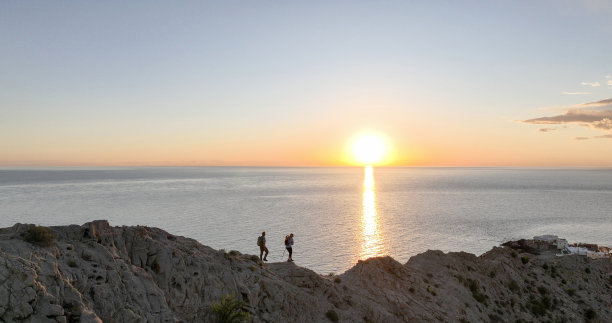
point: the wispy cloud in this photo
(581, 138)
(578, 93)
(597, 115)
(610, 82)
(546, 129)
(604, 137)
(593, 84)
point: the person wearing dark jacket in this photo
(261, 242)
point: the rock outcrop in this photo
(99, 273)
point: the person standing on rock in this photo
(289, 245)
(261, 242)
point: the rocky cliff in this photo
(96, 272)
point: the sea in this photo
(338, 215)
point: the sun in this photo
(369, 149)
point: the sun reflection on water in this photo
(371, 237)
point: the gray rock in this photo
(99, 273)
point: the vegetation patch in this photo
(229, 310)
(590, 314)
(474, 287)
(513, 286)
(539, 306)
(332, 316)
(524, 260)
(40, 236)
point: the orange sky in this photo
(454, 84)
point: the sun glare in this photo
(369, 149)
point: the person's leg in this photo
(265, 258)
(290, 254)
(261, 250)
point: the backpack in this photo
(260, 241)
(286, 240)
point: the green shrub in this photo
(233, 252)
(337, 280)
(229, 310)
(72, 263)
(332, 316)
(474, 287)
(40, 236)
(513, 254)
(539, 306)
(524, 260)
(513, 286)
(571, 292)
(542, 290)
(587, 270)
(411, 289)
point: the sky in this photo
(283, 83)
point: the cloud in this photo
(608, 76)
(602, 103)
(581, 138)
(604, 137)
(546, 129)
(578, 93)
(593, 84)
(610, 82)
(597, 115)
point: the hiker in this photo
(288, 245)
(261, 242)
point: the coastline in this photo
(98, 272)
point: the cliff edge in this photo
(98, 273)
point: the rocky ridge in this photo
(98, 273)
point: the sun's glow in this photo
(369, 149)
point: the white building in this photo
(552, 239)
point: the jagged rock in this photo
(99, 273)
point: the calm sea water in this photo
(338, 215)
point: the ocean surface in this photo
(338, 215)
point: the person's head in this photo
(291, 235)
(263, 233)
